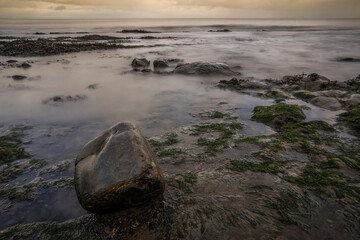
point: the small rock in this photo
(140, 63)
(93, 86)
(117, 170)
(18, 77)
(11, 61)
(326, 102)
(161, 63)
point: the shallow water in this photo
(156, 103)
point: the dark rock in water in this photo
(348, 59)
(140, 63)
(93, 86)
(11, 61)
(39, 33)
(204, 68)
(24, 65)
(18, 77)
(161, 63)
(174, 60)
(240, 84)
(117, 170)
(63, 99)
(135, 31)
(220, 30)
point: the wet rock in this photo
(220, 30)
(160, 63)
(279, 115)
(18, 77)
(93, 86)
(354, 101)
(24, 65)
(354, 84)
(11, 61)
(276, 93)
(63, 99)
(39, 33)
(117, 170)
(348, 59)
(140, 63)
(135, 31)
(243, 84)
(329, 103)
(204, 68)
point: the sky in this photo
(179, 8)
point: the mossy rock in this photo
(278, 115)
(352, 120)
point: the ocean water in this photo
(158, 104)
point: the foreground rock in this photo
(140, 63)
(117, 170)
(204, 68)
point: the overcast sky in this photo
(180, 8)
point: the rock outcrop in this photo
(204, 68)
(117, 170)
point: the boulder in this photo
(117, 170)
(161, 63)
(204, 68)
(326, 102)
(140, 63)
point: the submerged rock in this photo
(117, 170)
(348, 59)
(140, 63)
(204, 68)
(160, 63)
(135, 31)
(329, 103)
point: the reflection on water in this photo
(156, 103)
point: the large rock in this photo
(326, 102)
(140, 63)
(117, 170)
(204, 68)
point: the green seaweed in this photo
(278, 115)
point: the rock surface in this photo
(327, 102)
(140, 63)
(117, 170)
(160, 63)
(204, 68)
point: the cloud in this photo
(182, 8)
(60, 8)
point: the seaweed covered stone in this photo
(117, 170)
(204, 68)
(278, 115)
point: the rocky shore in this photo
(207, 179)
